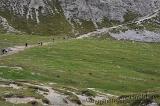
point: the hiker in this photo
(26, 45)
(65, 38)
(40, 43)
(53, 39)
(4, 51)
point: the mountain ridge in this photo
(72, 17)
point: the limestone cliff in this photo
(72, 16)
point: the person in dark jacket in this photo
(40, 43)
(26, 44)
(4, 51)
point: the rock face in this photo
(27, 8)
(6, 27)
(72, 16)
(113, 9)
(145, 36)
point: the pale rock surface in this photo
(113, 9)
(142, 35)
(5, 25)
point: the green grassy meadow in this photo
(111, 66)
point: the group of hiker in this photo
(5, 50)
(40, 43)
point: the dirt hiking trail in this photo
(17, 49)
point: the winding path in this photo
(106, 30)
(17, 49)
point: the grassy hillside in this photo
(111, 66)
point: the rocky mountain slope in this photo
(145, 29)
(52, 17)
(5, 27)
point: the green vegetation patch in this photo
(130, 16)
(152, 26)
(83, 26)
(107, 23)
(135, 26)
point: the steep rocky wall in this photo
(4, 25)
(27, 8)
(35, 16)
(113, 9)
(80, 15)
